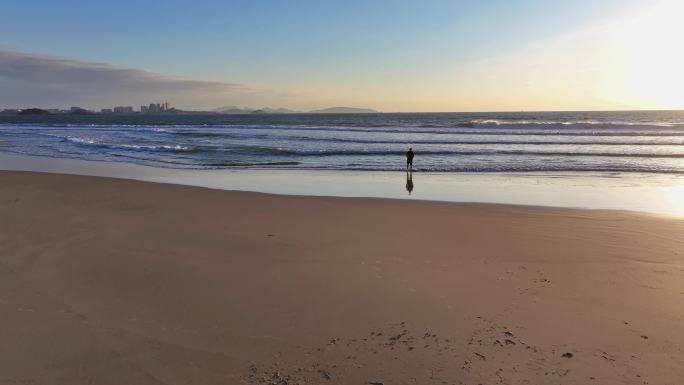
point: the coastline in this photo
(118, 281)
(647, 193)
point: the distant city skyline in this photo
(386, 55)
(119, 109)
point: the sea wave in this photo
(87, 141)
(520, 169)
(477, 127)
(405, 141)
(460, 130)
(326, 153)
(252, 164)
(499, 122)
(258, 150)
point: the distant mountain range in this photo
(343, 110)
(267, 110)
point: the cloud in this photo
(48, 81)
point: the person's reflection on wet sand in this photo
(409, 181)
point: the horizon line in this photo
(376, 111)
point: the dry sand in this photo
(106, 281)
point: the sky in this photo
(390, 55)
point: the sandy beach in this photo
(111, 281)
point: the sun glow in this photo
(655, 63)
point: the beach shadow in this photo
(409, 181)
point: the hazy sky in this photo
(389, 55)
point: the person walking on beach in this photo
(409, 159)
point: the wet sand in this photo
(652, 193)
(110, 281)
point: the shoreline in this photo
(370, 199)
(115, 281)
(649, 193)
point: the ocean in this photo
(520, 142)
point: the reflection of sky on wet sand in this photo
(662, 194)
(676, 199)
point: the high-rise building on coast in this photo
(155, 108)
(123, 110)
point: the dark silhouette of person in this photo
(409, 159)
(409, 181)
